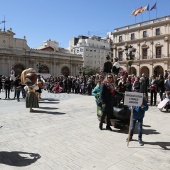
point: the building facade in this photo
(17, 55)
(150, 39)
(93, 50)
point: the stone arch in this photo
(158, 70)
(65, 71)
(44, 69)
(144, 70)
(133, 71)
(120, 49)
(18, 68)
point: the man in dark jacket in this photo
(107, 65)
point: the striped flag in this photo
(133, 12)
(138, 11)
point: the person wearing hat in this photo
(107, 66)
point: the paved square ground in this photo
(63, 134)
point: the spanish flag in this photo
(138, 11)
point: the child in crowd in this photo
(138, 115)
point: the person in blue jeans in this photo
(138, 115)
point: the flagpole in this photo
(156, 8)
(142, 17)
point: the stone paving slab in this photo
(63, 134)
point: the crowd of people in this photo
(105, 85)
(86, 83)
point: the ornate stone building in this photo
(150, 39)
(16, 54)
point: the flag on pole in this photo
(146, 8)
(153, 7)
(138, 11)
(133, 12)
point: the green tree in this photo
(90, 70)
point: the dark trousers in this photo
(140, 123)
(15, 91)
(23, 91)
(7, 93)
(161, 95)
(18, 94)
(107, 113)
(77, 90)
(153, 97)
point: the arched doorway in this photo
(18, 68)
(43, 69)
(133, 70)
(144, 70)
(158, 70)
(65, 71)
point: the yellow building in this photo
(150, 42)
(17, 55)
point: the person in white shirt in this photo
(116, 67)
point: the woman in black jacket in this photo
(107, 93)
(7, 87)
(161, 86)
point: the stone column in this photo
(166, 46)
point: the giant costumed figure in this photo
(29, 78)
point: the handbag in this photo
(153, 87)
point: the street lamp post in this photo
(81, 70)
(130, 53)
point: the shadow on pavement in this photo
(149, 131)
(163, 145)
(50, 99)
(17, 158)
(50, 108)
(146, 126)
(124, 130)
(145, 131)
(47, 112)
(49, 102)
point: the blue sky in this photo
(60, 20)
